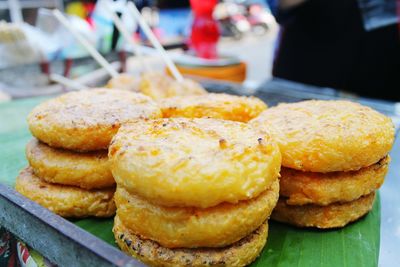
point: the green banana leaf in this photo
(355, 245)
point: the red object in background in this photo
(203, 7)
(89, 7)
(205, 33)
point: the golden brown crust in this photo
(238, 254)
(328, 136)
(325, 188)
(159, 85)
(217, 106)
(86, 170)
(124, 81)
(87, 120)
(66, 201)
(332, 216)
(193, 162)
(217, 226)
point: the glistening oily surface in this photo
(87, 120)
(60, 166)
(175, 227)
(325, 188)
(333, 215)
(217, 106)
(355, 245)
(327, 136)
(237, 254)
(193, 162)
(66, 201)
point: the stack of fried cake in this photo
(69, 170)
(193, 192)
(334, 158)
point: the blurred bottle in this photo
(205, 33)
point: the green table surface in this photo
(355, 245)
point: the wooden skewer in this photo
(93, 52)
(175, 72)
(68, 82)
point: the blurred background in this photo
(33, 44)
(350, 46)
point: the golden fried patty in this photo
(332, 216)
(193, 162)
(217, 226)
(87, 120)
(66, 201)
(240, 253)
(124, 81)
(86, 170)
(159, 85)
(325, 188)
(328, 136)
(218, 106)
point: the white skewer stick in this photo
(68, 82)
(93, 52)
(125, 33)
(175, 72)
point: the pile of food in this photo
(198, 175)
(193, 192)
(334, 157)
(69, 170)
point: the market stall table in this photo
(71, 243)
